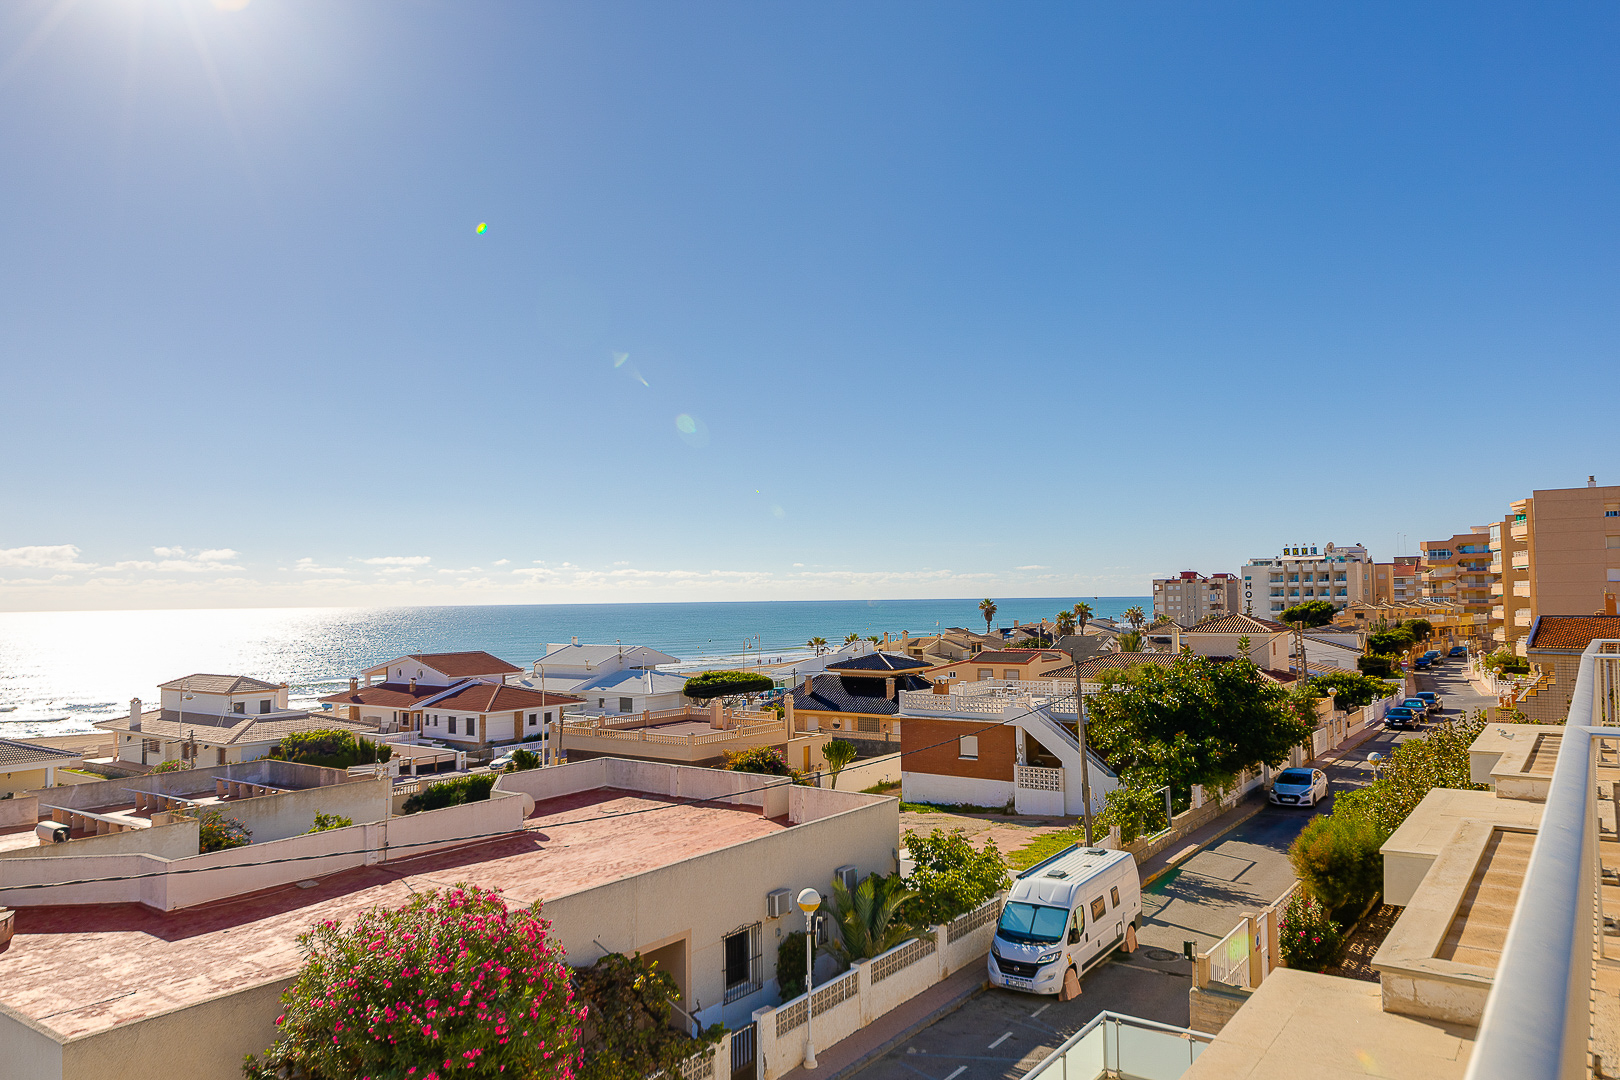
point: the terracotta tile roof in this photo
(219, 684)
(1572, 633)
(384, 695)
(460, 665)
(480, 697)
(1235, 623)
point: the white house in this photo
(608, 679)
(440, 669)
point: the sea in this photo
(62, 671)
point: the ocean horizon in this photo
(60, 671)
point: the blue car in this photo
(1459, 650)
(1404, 718)
(1420, 664)
(1417, 705)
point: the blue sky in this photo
(959, 299)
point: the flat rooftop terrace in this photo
(82, 969)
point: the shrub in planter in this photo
(173, 765)
(452, 984)
(1336, 858)
(324, 822)
(759, 759)
(335, 749)
(523, 760)
(713, 684)
(1308, 938)
(790, 965)
(217, 832)
(463, 789)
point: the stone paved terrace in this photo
(84, 969)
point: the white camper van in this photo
(1067, 913)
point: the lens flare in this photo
(693, 432)
(482, 225)
(685, 425)
(619, 358)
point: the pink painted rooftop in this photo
(83, 969)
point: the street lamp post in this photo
(809, 901)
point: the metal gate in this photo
(744, 1052)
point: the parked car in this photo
(1459, 650)
(1417, 705)
(1299, 787)
(1435, 701)
(501, 763)
(1401, 717)
(1420, 664)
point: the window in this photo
(1113, 894)
(967, 748)
(239, 707)
(1611, 541)
(219, 756)
(601, 703)
(1009, 673)
(987, 673)
(452, 725)
(548, 718)
(264, 705)
(472, 726)
(1098, 909)
(534, 719)
(744, 969)
(626, 704)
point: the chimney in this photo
(135, 711)
(354, 684)
(807, 679)
(576, 639)
(1591, 481)
(888, 687)
(1611, 604)
(413, 684)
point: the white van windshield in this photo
(1032, 923)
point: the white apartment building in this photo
(1189, 597)
(1302, 573)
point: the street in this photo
(1002, 1033)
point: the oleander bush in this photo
(1336, 858)
(454, 983)
(173, 765)
(759, 759)
(463, 789)
(216, 832)
(1307, 937)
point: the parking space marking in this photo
(1034, 1014)
(960, 1069)
(1001, 1040)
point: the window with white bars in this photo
(745, 963)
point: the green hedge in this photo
(713, 684)
(463, 789)
(334, 749)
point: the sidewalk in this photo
(894, 1027)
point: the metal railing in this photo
(1538, 1017)
(1229, 958)
(1116, 1045)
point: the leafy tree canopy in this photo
(323, 822)
(332, 748)
(1415, 767)
(1395, 640)
(1379, 667)
(1195, 722)
(627, 1031)
(759, 759)
(1312, 613)
(1352, 690)
(952, 877)
(463, 789)
(838, 753)
(713, 684)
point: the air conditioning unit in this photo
(778, 902)
(50, 832)
(849, 875)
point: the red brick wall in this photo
(998, 748)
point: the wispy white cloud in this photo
(178, 560)
(44, 557)
(307, 565)
(1032, 566)
(399, 560)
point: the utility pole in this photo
(1083, 650)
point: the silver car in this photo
(1299, 787)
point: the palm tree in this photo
(863, 922)
(1082, 615)
(1130, 641)
(851, 637)
(987, 608)
(837, 753)
(819, 644)
(874, 639)
(1135, 616)
(1065, 623)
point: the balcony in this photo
(1112, 1045)
(1498, 613)
(1520, 530)
(1521, 617)
(682, 736)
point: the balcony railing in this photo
(1123, 1046)
(1538, 1017)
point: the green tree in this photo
(1311, 613)
(1352, 690)
(759, 759)
(1135, 616)
(838, 753)
(323, 822)
(1379, 667)
(987, 608)
(867, 922)
(790, 965)
(1065, 623)
(1130, 641)
(1391, 642)
(1082, 615)
(851, 638)
(523, 761)
(1420, 628)
(713, 684)
(1415, 768)
(817, 643)
(1136, 806)
(628, 1036)
(453, 980)
(333, 748)
(951, 877)
(1336, 857)
(1194, 722)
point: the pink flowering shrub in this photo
(451, 985)
(1309, 940)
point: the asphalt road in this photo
(1004, 1034)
